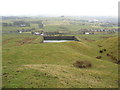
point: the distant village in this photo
(59, 32)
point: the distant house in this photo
(93, 21)
(36, 33)
(42, 34)
(22, 25)
(87, 32)
(20, 31)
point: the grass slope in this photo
(50, 65)
(111, 46)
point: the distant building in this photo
(36, 33)
(87, 32)
(20, 31)
(42, 34)
(93, 21)
(22, 25)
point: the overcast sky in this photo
(59, 7)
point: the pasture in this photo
(28, 63)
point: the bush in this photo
(99, 57)
(82, 64)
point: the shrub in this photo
(104, 50)
(99, 57)
(100, 51)
(99, 46)
(118, 62)
(108, 54)
(82, 64)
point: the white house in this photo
(42, 34)
(20, 31)
(37, 33)
(87, 32)
(22, 25)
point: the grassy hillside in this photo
(111, 46)
(50, 65)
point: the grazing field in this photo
(90, 62)
(27, 63)
(66, 27)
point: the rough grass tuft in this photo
(82, 64)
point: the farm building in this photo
(87, 33)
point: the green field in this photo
(54, 23)
(28, 63)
